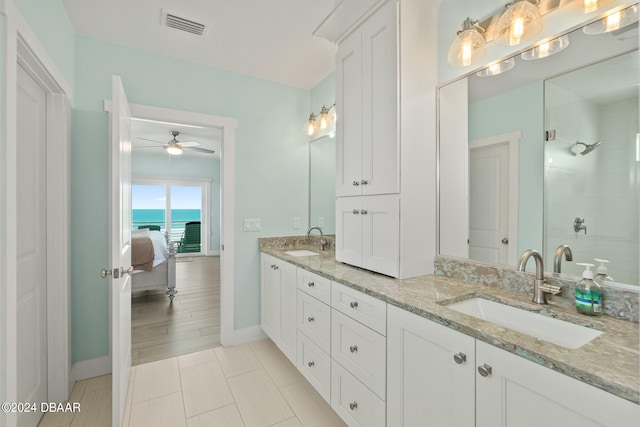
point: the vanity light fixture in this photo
(320, 123)
(613, 21)
(520, 22)
(469, 46)
(589, 6)
(547, 48)
(497, 68)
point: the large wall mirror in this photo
(322, 183)
(546, 154)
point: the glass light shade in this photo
(613, 21)
(497, 68)
(520, 22)
(323, 119)
(468, 47)
(174, 149)
(588, 6)
(310, 127)
(547, 48)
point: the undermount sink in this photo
(560, 332)
(301, 252)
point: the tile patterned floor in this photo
(248, 385)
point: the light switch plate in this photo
(296, 222)
(252, 224)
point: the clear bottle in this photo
(602, 272)
(588, 293)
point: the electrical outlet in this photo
(296, 222)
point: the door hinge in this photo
(222, 246)
(550, 135)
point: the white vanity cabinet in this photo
(367, 232)
(278, 303)
(367, 104)
(438, 374)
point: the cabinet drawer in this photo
(314, 320)
(315, 365)
(315, 285)
(365, 309)
(362, 351)
(355, 403)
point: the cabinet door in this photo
(380, 146)
(349, 112)
(348, 230)
(425, 386)
(288, 309)
(521, 393)
(381, 234)
(270, 297)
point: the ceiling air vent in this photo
(172, 20)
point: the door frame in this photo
(512, 139)
(22, 46)
(228, 125)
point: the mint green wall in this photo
(271, 166)
(49, 21)
(520, 109)
(163, 165)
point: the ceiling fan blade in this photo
(146, 139)
(189, 143)
(202, 150)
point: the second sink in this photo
(552, 330)
(301, 252)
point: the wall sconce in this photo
(497, 68)
(613, 21)
(546, 49)
(316, 125)
(520, 22)
(469, 46)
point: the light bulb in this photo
(323, 119)
(547, 48)
(174, 150)
(469, 45)
(520, 22)
(589, 6)
(614, 21)
(310, 127)
(497, 68)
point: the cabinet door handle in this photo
(353, 349)
(484, 370)
(355, 183)
(364, 212)
(353, 406)
(310, 319)
(356, 211)
(311, 364)
(364, 182)
(460, 358)
(311, 284)
(354, 304)
(275, 267)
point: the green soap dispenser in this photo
(588, 293)
(602, 271)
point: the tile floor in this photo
(248, 385)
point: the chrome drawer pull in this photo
(364, 212)
(353, 348)
(364, 182)
(356, 211)
(355, 183)
(311, 284)
(311, 364)
(310, 319)
(460, 358)
(354, 304)
(353, 406)
(484, 370)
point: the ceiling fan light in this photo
(520, 22)
(174, 149)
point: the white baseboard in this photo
(241, 336)
(91, 368)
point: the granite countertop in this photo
(610, 362)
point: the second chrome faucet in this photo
(540, 289)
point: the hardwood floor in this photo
(160, 330)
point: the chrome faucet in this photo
(323, 242)
(540, 289)
(557, 259)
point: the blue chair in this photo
(190, 240)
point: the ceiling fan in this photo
(175, 147)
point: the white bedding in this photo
(160, 251)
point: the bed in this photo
(154, 262)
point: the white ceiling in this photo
(270, 39)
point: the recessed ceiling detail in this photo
(172, 20)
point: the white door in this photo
(489, 203)
(120, 257)
(381, 234)
(31, 246)
(349, 230)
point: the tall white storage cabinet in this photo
(378, 70)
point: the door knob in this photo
(353, 348)
(505, 240)
(355, 183)
(364, 182)
(364, 212)
(128, 271)
(105, 272)
(311, 284)
(354, 304)
(484, 370)
(310, 319)
(356, 211)
(353, 406)
(460, 358)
